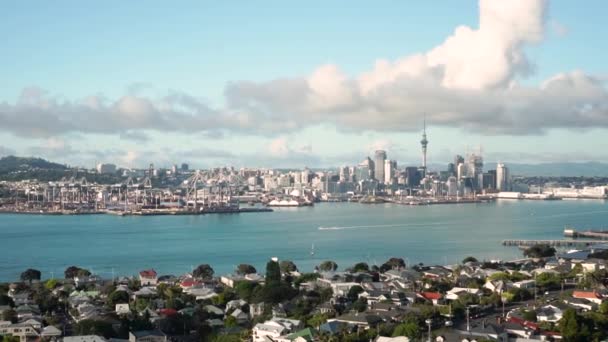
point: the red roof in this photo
(190, 283)
(524, 323)
(151, 273)
(431, 295)
(585, 294)
(168, 312)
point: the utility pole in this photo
(468, 320)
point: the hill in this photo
(13, 164)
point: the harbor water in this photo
(343, 232)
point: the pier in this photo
(592, 234)
(553, 243)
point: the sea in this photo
(346, 233)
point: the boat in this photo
(312, 250)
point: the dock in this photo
(552, 243)
(591, 234)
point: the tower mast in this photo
(424, 142)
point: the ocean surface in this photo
(344, 232)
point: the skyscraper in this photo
(389, 171)
(379, 158)
(424, 142)
(503, 181)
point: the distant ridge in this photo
(12, 164)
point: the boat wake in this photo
(381, 226)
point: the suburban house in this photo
(148, 277)
(593, 297)
(147, 336)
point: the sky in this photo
(313, 83)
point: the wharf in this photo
(592, 234)
(553, 243)
(162, 212)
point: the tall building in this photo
(503, 178)
(185, 167)
(365, 170)
(390, 167)
(344, 174)
(424, 142)
(379, 158)
(475, 169)
(412, 176)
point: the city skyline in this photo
(208, 91)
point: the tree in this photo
(51, 284)
(245, 289)
(539, 251)
(316, 320)
(353, 293)
(75, 271)
(469, 259)
(94, 327)
(572, 327)
(287, 266)
(10, 315)
(244, 269)
(410, 329)
(230, 322)
(328, 266)
(10, 338)
(6, 300)
(30, 274)
(529, 315)
(360, 267)
(118, 297)
(392, 263)
(273, 273)
(203, 271)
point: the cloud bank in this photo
(469, 81)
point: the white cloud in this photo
(468, 81)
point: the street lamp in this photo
(428, 322)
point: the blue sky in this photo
(70, 51)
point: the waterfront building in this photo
(106, 168)
(503, 181)
(365, 170)
(452, 186)
(488, 180)
(379, 158)
(475, 169)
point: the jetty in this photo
(553, 243)
(591, 234)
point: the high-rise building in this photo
(379, 158)
(451, 169)
(475, 169)
(367, 164)
(184, 167)
(344, 174)
(412, 176)
(458, 159)
(503, 178)
(390, 167)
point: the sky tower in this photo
(424, 142)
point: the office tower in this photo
(451, 169)
(389, 171)
(503, 181)
(344, 174)
(379, 158)
(412, 176)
